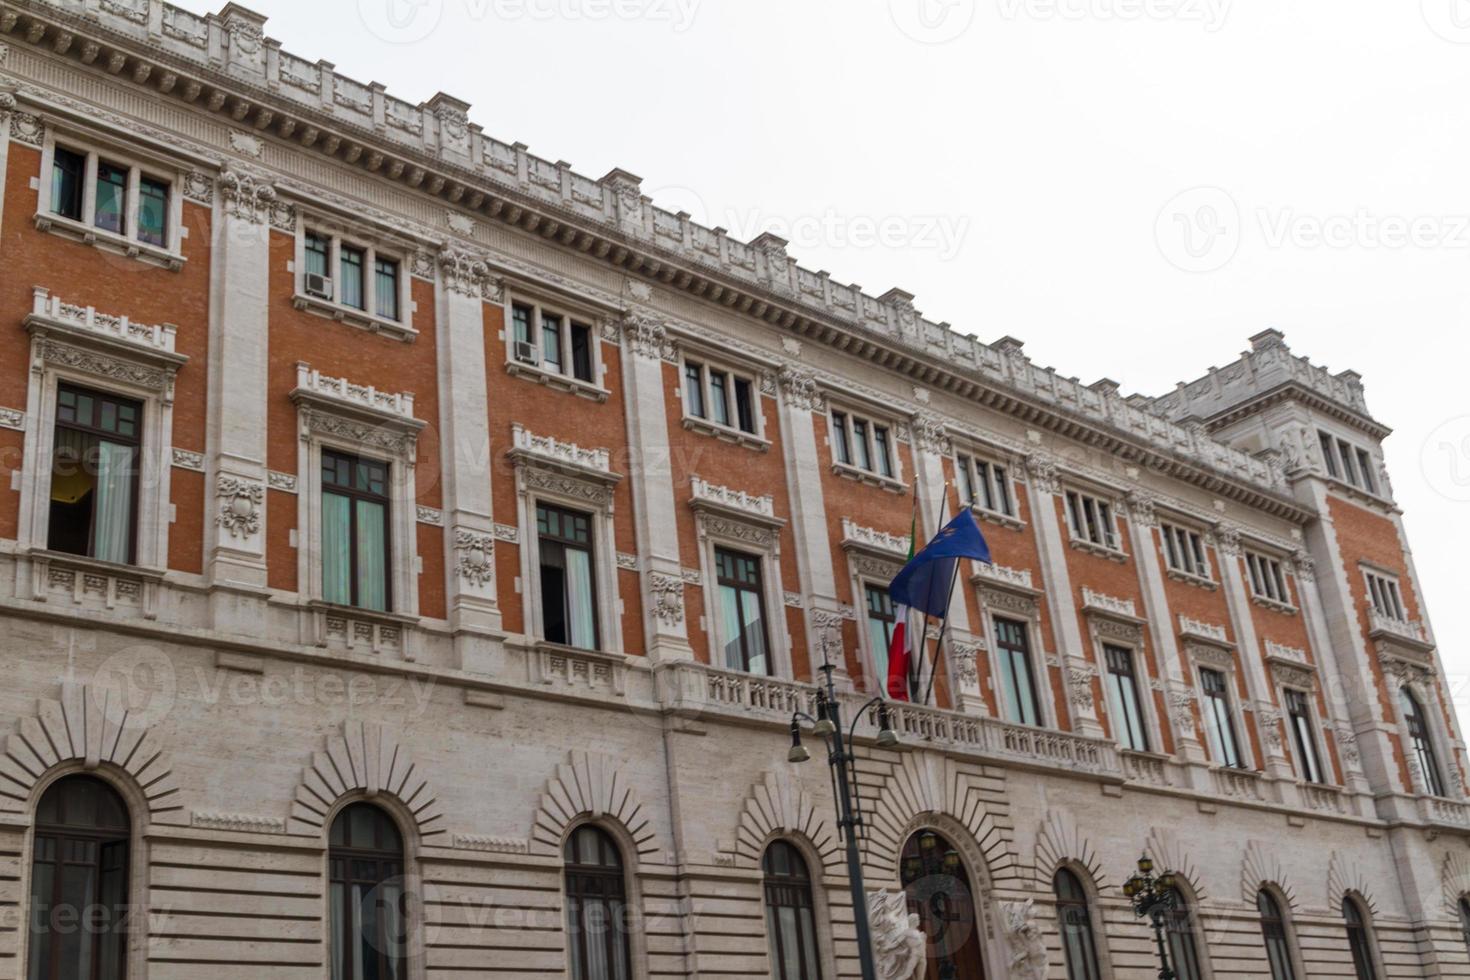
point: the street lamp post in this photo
(827, 725)
(1153, 897)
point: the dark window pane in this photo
(350, 289)
(386, 295)
(112, 197)
(68, 174)
(153, 212)
(582, 352)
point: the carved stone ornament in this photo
(239, 506)
(1180, 705)
(476, 557)
(199, 187)
(117, 369)
(1045, 474)
(965, 670)
(1141, 508)
(1270, 721)
(247, 197)
(668, 598)
(1026, 941)
(566, 486)
(930, 435)
(1227, 536)
(394, 441)
(1306, 566)
(898, 942)
(28, 129)
(646, 335)
(465, 273)
(800, 389)
(1080, 679)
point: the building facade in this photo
(412, 553)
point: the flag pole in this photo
(918, 679)
(943, 627)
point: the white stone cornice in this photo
(152, 343)
(394, 408)
(734, 503)
(553, 453)
(855, 537)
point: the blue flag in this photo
(925, 582)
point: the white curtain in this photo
(336, 549)
(372, 557)
(114, 520)
(581, 624)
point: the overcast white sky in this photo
(1024, 161)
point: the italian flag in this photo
(900, 648)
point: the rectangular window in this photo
(551, 342)
(694, 389)
(1268, 580)
(354, 531)
(841, 439)
(349, 286)
(1349, 468)
(1365, 471)
(719, 397)
(112, 198)
(744, 406)
(1184, 551)
(385, 279)
(1219, 725)
(881, 451)
(862, 451)
(581, 352)
(1329, 453)
(68, 174)
(742, 612)
(1123, 699)
(985, 485)
(94, 475)
(1383, 592)
(882, 620)
(1018, 681)
(318, 255)
(568, 593)
(1091, 520)
(522, 316)
(153, 212)
(1299, 716)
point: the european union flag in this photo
(926, 582)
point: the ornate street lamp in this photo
(827, 725)
(1153, 897)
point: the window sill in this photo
(996, 517)
(1274, 605)
(726, 434)
(560, 382)
(1199, 581)
(1358, 493)
(357, 612)
(354, 317)
(84, 563)
(1101, 550)
(108, 241)
(849, 472)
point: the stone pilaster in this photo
(798, 398)
(464, 286)
(238, 394)
(1045, 485)
(645, 348)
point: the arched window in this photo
(1465, 921)
(1423, 745)
(79, 874)
(1273, 928)
(938, 890)
(1183, 950)
(791, 927)
(368, 913)
(1357, 931)
(1076, 921)
(596, 906)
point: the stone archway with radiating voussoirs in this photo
(366, 761)
(89, 729)
(966, 805)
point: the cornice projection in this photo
(223, 65)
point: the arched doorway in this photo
(940, 892)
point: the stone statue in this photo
(898, 942)
(1028, 946)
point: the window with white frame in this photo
(882, 623)
(107, 197)
(568, 580)
(1123, 698)
(94, 475)
(1421, 742)
(741, 602)
(1220, 718)
(721, 398)
(1383, 592)
(1303, 735)
(1184, 551)
(553, 342)
(862, 443)
(1020, 699)
(1267, 578)
(353, 275)
(355, 524)
(1347, 462)
(1091, 520)
(985, 485)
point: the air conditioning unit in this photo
(318, 285)
(525, 352)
